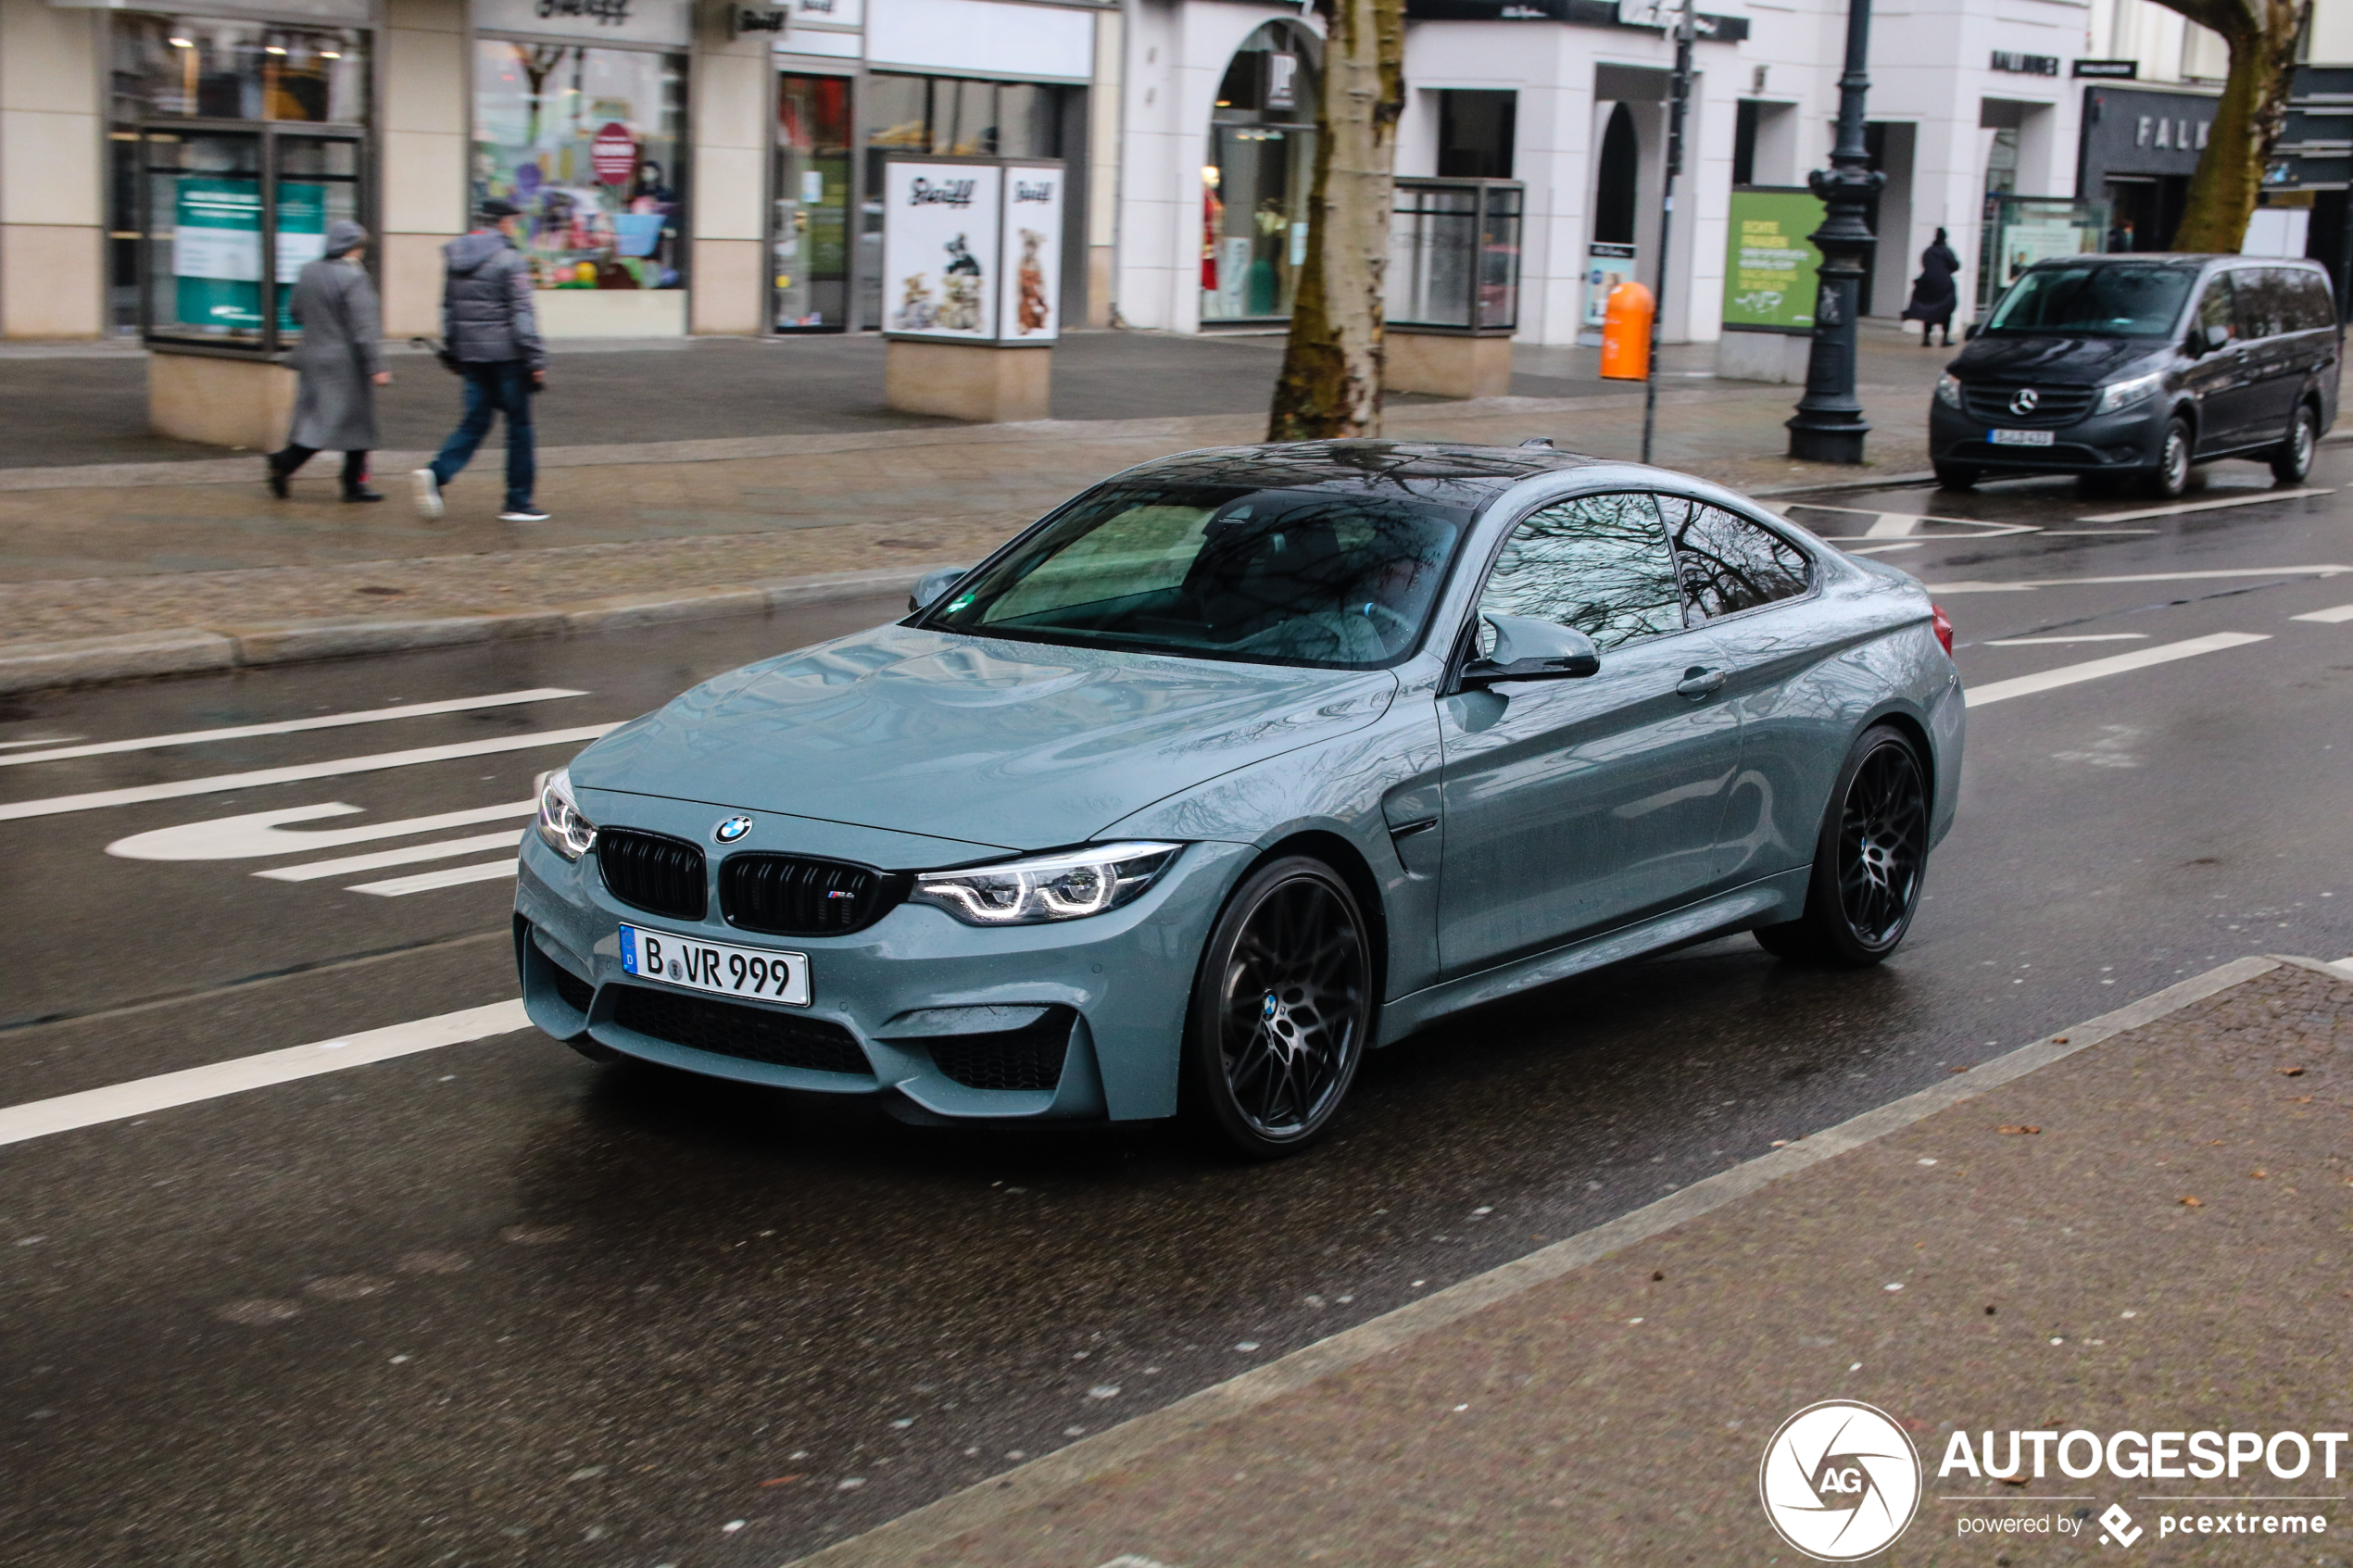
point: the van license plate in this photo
(2018, 437)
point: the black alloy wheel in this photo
(1868, 861)
(2292, 459)
(2172, 475)
(1282, 1010)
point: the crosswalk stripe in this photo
(2028, 584)
(143, 1097)
(58, 804)
(426, 881)
(2328, 616)
(2258, 498)
(294, 726)
(2116, 664)
(443, 849)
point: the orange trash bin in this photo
(1625, 333)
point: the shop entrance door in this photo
(809, 237)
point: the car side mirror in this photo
(2206, 340)
(932, 584)
(1530, 650)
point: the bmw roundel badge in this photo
(731, 830)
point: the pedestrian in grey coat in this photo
(339, 363)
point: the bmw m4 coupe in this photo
(1238, 765)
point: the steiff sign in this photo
(972, 251)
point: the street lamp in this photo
(1829, 426)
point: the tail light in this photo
(1943, 625)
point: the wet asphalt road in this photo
(495, 1304)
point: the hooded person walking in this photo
(490, 327)
(1933, 294)
(338, 365)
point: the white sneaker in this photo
(529, 514)
(428, 494)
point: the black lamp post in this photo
(1829, 426)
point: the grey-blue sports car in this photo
(1239, 764)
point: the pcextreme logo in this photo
(1840, 1481)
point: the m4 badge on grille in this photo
(731, 830)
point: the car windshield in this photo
(2094, 302)
(1333, 579)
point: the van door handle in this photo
(1699, 682)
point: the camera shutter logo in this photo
(2023, 401)
(1840, 1481)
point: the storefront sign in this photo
(592, 22)
(982, 38)
(1029, 268)
(942, 251)
(2115, 70)
(613, 153)
(2025, 64)
(841, 13)
(2142, 131)
(216, 249)
(1769, 265)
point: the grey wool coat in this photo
(334, 399)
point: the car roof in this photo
(1447, 472)
(2170, 259)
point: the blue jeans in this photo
(503, 386)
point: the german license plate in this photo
(2018, 437)
(715, 966)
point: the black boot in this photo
(277, 477)
(361, 493)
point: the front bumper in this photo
(936, 1011)
(2129, 439)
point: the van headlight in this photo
(1948, 391)
(1070, 885)
(2124, 394)
(560, 826)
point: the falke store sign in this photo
(2142, 131)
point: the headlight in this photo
(1948, 391)
(1070, 885)
(561, 827)
(2124, 394)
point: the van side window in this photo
(2315, 305)
(2257, 300)
(2214, 306)
(1729, 564)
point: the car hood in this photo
(2054, 361)
(1006, 744)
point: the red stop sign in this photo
(613, 153)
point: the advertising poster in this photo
(1606, 266)
(216, 249)
(1030, 269)
(1769, 266)
(940, 250)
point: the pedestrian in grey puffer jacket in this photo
(489, 326)
(340, 364)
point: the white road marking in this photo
(53, 740)
(441, 849)
(260, 833)
(2180, 507)
(292, 726)
(143, 1097)
(1892, 525)
(58, 803)
(426, 881)
(2116, 664)
(2328, 616)
(2092, 637)
(1883, 550)
(2031, 583)
(2097, 533)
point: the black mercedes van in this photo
(2134, 366)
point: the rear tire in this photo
(1282, 1010)
(1868, 861)
(2171, 476)
(2292, 458)
(1955, 476)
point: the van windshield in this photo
(2094, 302)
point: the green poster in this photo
(1768, 264)
(216, 249)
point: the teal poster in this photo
(216, 249)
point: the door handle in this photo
(1698, 682)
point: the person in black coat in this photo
(1933, 294)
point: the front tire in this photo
(1868, 862)
(1955, 476)
(1282, 1010)
(2292, 458)
(2171, 476)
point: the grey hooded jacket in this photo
(486, 313)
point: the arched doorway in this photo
(1255, 184)
(1611, 252)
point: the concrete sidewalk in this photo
(2138, 1225)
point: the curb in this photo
(97, 660)
(910, 1534)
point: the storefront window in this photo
(585, 141)
(191, 67)
(811, 236)
(1257, 182)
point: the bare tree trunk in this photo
(1330, 384)
(2262, 35)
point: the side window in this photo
(2315, 305)
(2214, 306)
(1599, 563)
(1729, 564)
(2255, 307)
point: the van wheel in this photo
(2171, 476)
(2292, 458)
(1955, 476)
